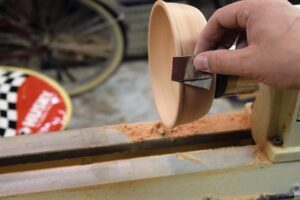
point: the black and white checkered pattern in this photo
(10, 81)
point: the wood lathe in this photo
(253, 154)
(217, 157)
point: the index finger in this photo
(226, 18)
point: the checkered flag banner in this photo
(10, 81)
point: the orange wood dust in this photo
(260, 157)
(239, 198)
(208, 124)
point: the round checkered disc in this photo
(31, 103)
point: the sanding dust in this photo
(189, 157)
(239, 198)
(260, 157)
(208, 124)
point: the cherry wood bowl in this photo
(173, 31)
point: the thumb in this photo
(229, 62)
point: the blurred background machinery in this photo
(80, 43)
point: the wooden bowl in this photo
(173, 31)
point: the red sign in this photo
(31, 103)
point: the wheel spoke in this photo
(84, 25)
(9, 39)
(69, 75)
(67, 22)
(15, 28)
(15, 54)
(57, 11)
(40, 13)
(92, 50)
(94, 29)
(20, 10)
(74, 41)
(59, 74)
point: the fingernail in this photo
(201, 63)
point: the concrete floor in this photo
(125, 97)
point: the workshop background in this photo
(126, 96)
(96, 49)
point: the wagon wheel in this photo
(77, 42)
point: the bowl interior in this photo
(161, 50)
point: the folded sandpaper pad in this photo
(183, 71)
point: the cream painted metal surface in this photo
(218, 172)
(127, 170)
(236, 171)
(276, 117)
(113, 140)
(276, 122)
(95, 158)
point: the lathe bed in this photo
(213, 158)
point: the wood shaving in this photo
(260, 157)
(208, 124)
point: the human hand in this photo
(271, 52)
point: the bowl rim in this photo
(178, 52)
(188, 98)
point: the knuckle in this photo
(242, 17)
(218, 12)
(245, 66)
(215, 62)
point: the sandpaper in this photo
(183, 71)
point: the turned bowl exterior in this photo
(173, 31)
